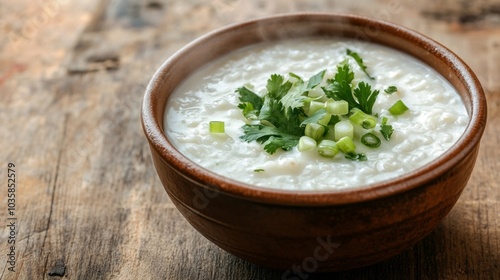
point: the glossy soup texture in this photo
(435, 120)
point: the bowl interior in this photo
(222, 41)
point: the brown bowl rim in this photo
(419, 177)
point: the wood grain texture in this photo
(89, 204)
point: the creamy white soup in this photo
(434, 121)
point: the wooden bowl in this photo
(308, 231)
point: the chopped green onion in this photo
(314, 130)
(328, 148)
(216, 127)
(398, 108)
(337, 108)
(258, 170)
(316, 92)
(361, 118)
(346, 145)
(342, 129)
(391, 90)
(315, 106)
(330, 133)
(370, 140)
(306, 143)
(325, 119)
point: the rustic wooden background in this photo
(89, 204)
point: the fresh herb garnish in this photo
(370, 140)
(339, 88)
(359, 61)
(271, 137)
(279, 124)
(250, 104)
(391, 90)
(216, 127)
(295, 96)
(294, 111)
(314, 118)
(258, 170)
(354, 156)
(277, 87)
(366, 97)
(385, 129)
(398, 108)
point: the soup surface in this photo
(434, 122)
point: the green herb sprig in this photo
(286, 115)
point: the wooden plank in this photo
(90, 205)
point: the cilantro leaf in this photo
(318, 115)
(297, 94)
(271, 137)
(295, 98)
(259, 133)
(344, 73)
(248, 110)
(276, 130)
(251, 97)
(276, 87)
(273, 111)
(250, 104)
(386, 130)
(366, 97)
(315, 80)
(340, 88)
(285, 142)
(359, 61)
(391, 90)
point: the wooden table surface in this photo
(88, 203)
